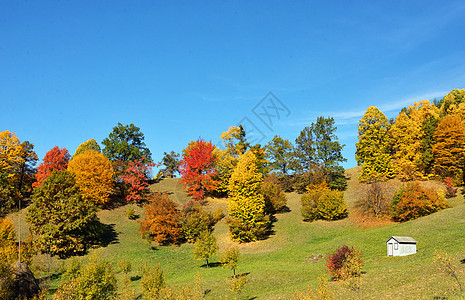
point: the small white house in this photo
(401, 246)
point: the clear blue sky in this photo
(71, 70)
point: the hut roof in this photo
(403, 239)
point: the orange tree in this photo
(55, 160)
(449, 147)
(198, 170)
(135, 176)
(94, 175)
(162, 221)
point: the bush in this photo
(124, 265)
(337, 262)
(95, 281)
(131, 213)
(205, 246)
(322, 203)
(153, 282)
(375, 202)
(196, 221)
(162, 220)
(275, 199)
(414, 201)
(450, 190)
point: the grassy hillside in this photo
(283, 264)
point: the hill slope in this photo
(282, 264)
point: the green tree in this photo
(281, 155)
(126, 143)
(230, 259)
(171, 162)
(373, 146)
(248, 221)
(305, 150)
(205, 246)
(426, 160)
(87, 145)
(60, 220)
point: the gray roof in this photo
(403, 239)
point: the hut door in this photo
(390, 249)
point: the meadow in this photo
(290, 259)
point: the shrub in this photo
(131, 213)
(196, 221)
(337, 263)
(375, 202)
(450, 190)
(162, 220)
(322, 203)
(94, 281)
(230, 259)
(124, 265)
(414, 201)
(153, 282)
(275, 199)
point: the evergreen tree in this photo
(171, 162)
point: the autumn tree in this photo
(55, 160)
(17, 164)
(248, 221)
(426, 159)
(87, 145)
(453, 103)
(449, 149)
(235, 144)
(373, 146)
(94, 176)
(320, 202)
(409, 140)
(162, 220)
(198, 170)
(60, 221)
(205, 246)
(280, 152)
(413, 201)
(171, 163)
(135, 176)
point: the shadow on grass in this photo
(211, 265)
(104, 234)
(463, 261)
(135, 278)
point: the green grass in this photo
(279, 266)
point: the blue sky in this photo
(71, 70)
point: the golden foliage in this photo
(94, 175)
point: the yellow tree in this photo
(10, 153)
(94, 176)
(373, 146)
(248, 221)
(453, 103)
(89, 144)
(449, 149)
(408, 137)
(235, 145)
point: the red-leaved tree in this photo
(198, 169)
(136, 175)
(55, 160)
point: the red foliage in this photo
(450, 190)
(55, 160)
(198, 169)
(135, 176)
(335, 262)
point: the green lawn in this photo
(280, 265)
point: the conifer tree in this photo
(248, 221)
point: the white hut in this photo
(401, 246)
